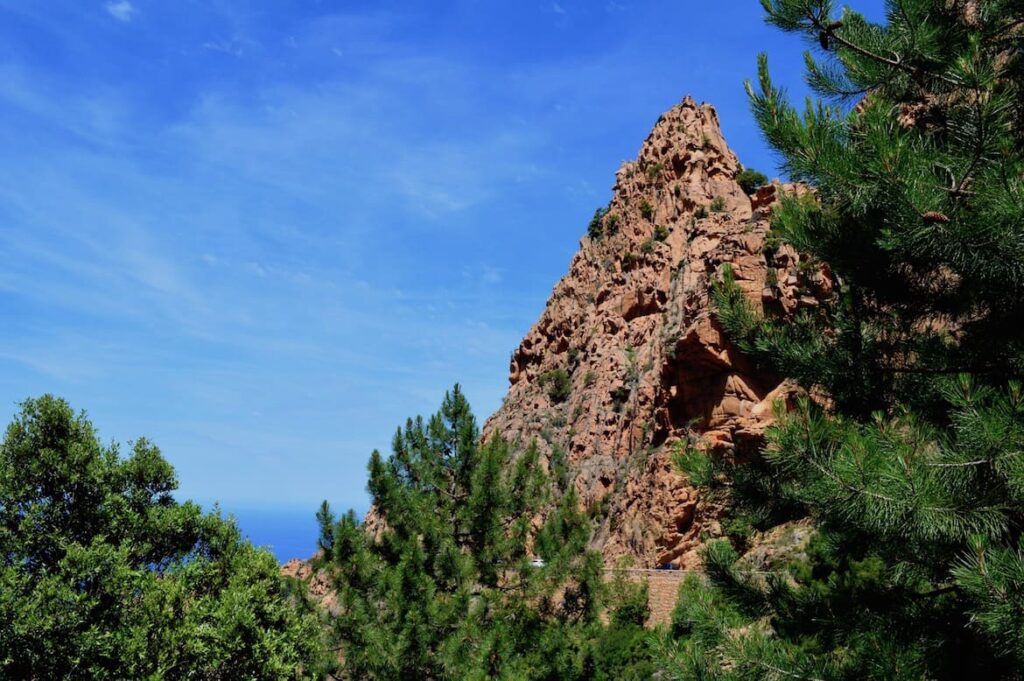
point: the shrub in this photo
(655, 170)
(660, 233)
(717, 204)
(596, 227)
(619, 397)
(629, 601)
(647, 246)
(700, 213)
(557, 383)
(611, 223)
(749, 180)
(628, 261)
(646, 210)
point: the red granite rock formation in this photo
(631, 323)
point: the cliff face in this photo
(631, 327)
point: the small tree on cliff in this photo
(103, 575)
(441, 586)
(912, 466)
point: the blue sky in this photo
(264, 233)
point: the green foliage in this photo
(595, 230)
(646, 210)
(694, 464)
(558, 469)
(443, 588)
(749, 180)
(654, 171)
(611, 223)
(558, 384)
(717, 205)
(105, 575)
(629, 261)
(910, 467)
(623, 652)
(660, 233)
(629, 601)
(647, 247)
(620, 396)
(700, 213)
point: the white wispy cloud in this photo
(122, 10)
(232, 46)
(247, 251)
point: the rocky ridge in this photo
(627, 358)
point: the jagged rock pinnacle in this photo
(631, 326)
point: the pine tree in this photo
(910, 457)
(439, 584)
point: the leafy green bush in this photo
(717, 204)
(629, 601)
(660, 233)
(623, 653)
(646, 210)
(595, 230)
(105, 575)
(749, 180)
(557, 383)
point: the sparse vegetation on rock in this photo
(595, 230)
(558, 384)
(646, 210)
(749, 180)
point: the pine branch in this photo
(897, 63)
(784, 672)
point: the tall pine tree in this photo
(441, 583)
(910, 458)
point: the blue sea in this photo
(287, 532)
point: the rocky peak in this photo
(627, 359)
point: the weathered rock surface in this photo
(317, 582)
(632, 325)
